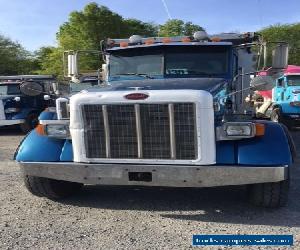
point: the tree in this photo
(49, 61)
(176, 27)
(14, 58)
(137, 27)
(288, 33)
(84, 30)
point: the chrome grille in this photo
(155, 131)
(185, 130)
(145, 131)
(94, 133)
(123, 139)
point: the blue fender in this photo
(47, 115)
(67, 151)
(269, 150)
(38, 148)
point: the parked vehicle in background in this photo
(172, 113)
(23, 109)
(282, 103)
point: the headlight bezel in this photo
(246, 130)
(48, 128)
(61, 131)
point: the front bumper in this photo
(156, 175)
(11, 122)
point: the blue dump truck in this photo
(171, 113)
(282, 103)
(23, 108)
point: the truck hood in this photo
(212, 85)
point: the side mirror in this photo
(262, 83)
(280, 56)
(31, 88)
(72, 65)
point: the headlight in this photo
(11, 110)
(239, 130)
(57, 130)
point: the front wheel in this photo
(269, 195)
(50, 188)
(276, 116)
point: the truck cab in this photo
(170, 113)
(23, 109)
(282, 103)
(286, 98)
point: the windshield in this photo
(293, 80)
(11, 89)
(144, 64)
(174, 61)
(77, 87)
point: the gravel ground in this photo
(131, 218)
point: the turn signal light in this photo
(186, 40)
(149, 41)
(215, 39)
(166, 40)
(40, 129)
(123, 44)
(259, 129)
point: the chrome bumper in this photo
(156, 175)
(11, 122)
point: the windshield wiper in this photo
(136, 74)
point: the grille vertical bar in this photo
(106, 130)
(139, 130)
(172, 131)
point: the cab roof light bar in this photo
(199, 36)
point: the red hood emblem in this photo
(136, 96)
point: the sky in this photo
(34, 23)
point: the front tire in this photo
(269, 195)
(276, 116)
(50, 188)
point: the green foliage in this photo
(176, 27)
(49, 60)
(84, 30)
(14, 58)
(136, 27)
(288, 33)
